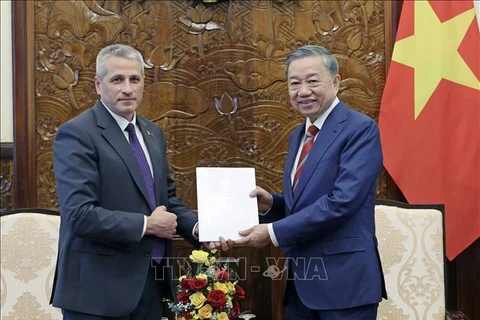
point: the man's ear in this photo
(336, 82)
(98, 87)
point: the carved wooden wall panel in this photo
(215, 84)
(215, 79)
(6, 186)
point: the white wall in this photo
(477, 8)
(6, 93)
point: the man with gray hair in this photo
(118, 206)
(324, 218)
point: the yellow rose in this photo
(205, 312)
(201, 276)
(230, 286)
(199, 256)
(222, 316)
(221, 286)
(181, 278)
(197, 299)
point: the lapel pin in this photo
(148, 132)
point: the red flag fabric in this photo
(430, 114)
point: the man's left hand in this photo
(221, 244)
(257, 236)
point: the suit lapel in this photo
(113, 134)
(290, 161)
(331, 128)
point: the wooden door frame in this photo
(23, 65)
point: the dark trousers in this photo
(148, 308)
(296, 310)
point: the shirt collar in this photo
(321, 120)
(121, 121)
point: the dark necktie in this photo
(158, 250)
(307, 145)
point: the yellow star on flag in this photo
(433, 52)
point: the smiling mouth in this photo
(306, 102)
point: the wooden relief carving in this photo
(214, 82)
(6, 187)
(214, 79)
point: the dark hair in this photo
(311, 51)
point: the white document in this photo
(224, 204)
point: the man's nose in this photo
(304, 89)
(127, 88)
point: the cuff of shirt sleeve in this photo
(144, 225)
(271, 232)
(264, 213)
(195, 237)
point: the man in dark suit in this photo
(118, 205)
(324, 219)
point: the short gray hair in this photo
(312, 51)
(120, 51)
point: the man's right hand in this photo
(264, 199)
(161, 223)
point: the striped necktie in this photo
(307, 145)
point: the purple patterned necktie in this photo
(158, 249)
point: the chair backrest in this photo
(28, 252)
(412, 251)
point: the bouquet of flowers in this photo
(211, 293)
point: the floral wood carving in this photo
(226, 105)
(162, 58)
(198, 52)
(164, 100)
(6, 187)
(83, 19)
(255, 74)
(198, 20)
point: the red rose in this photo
(183, 297)
(222, 275)
(239, 292)
(198, 284)
(235, 309)
(217, 299)
(185, 283)
(186, 315)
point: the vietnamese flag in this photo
(430, 114)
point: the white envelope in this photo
(224, 204)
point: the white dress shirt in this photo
(319, 124)
(123, 123)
